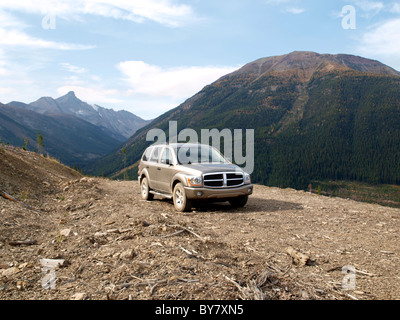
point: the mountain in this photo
(311, 62)
(66, 137)
(315, 116)
(120, 124)
(74, 131)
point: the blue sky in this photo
(148, 56)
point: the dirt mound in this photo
(110, 244)
(28, 175)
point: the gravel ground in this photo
(110, 244)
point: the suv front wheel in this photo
(181, 202)
(239, 202)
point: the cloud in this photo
(3, 64)
(287, 6)
(294, 10)
(395, 8)
(375, 7)
(278, 2)
(12, 33)
(19, 38)
(7, 20)
(176, 83)
(7, 90)
(72, 69)
(3, 71)
(382, 40)
(368, 8)
(166, 12)
(368, 5)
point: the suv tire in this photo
(181, 202)
(145, 190)
(239, 202)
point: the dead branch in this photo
(188, 280)
(7, 196)
(187, 230)
(22, 242)
(299, 258)
(234, 282)
(357, 271)
(250, 292)
(365, 273)
(186, 251)
(334, 269)
(173, 234)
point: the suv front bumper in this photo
(223, 193)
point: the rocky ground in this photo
(110, 244)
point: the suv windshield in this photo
(198, 154)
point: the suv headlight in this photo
(246, 178)
(195, 181)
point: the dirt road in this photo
(117, 246)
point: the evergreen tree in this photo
(39, 140)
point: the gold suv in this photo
(191, 172)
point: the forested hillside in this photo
(315, 117)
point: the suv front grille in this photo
(223, 179)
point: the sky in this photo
(149, 56)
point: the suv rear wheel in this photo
(145, 190)
(181, 202)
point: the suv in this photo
(191, 172)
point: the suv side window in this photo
(166, 157)
(155, 155)
(147, 153)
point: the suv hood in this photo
(212, 167)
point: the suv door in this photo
(153, 168)
(166, 170)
